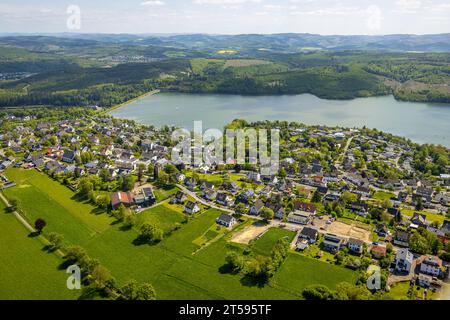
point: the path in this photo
(17, 215)
(202, 201)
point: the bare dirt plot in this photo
(250, 233)
(343, 229)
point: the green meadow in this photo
(28, 272)
(180, 266)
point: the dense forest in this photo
(99, 71)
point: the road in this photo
(344, 152)
(203, 201)
(274, 223)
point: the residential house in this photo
(224, 200)
(256, 208)
(232, 187)
(299, 217)
(355, 245)
(226, 220)
(190, 183)
(118, 198)
(446, 227)
(68, 156)
(430, 265)
(180, 177)
(305, 207)
(418, 221)
(209, 194)
(381, 230)
(332, 243)
(309, 234)
(403, 261)
(245, 196)
(207, 185)
(378, 251)
(149, 196)
(191, 208)
(254, 176)
(401, 238)
(424, 280)
(179, 198)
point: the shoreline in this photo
(123, 104)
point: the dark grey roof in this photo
(225, 218)
(309, 232)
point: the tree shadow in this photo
(140, 241)
(49, 248)
(97, 211)
(250, 281)
(65, 264)
(125, 227)
(89, 293)
(34, 234)
(228, 269)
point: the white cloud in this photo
(409, 4)
(375, 17)
(222, 2)
(153, 3)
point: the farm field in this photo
(26, 271)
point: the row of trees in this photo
(99, 279)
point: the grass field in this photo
(264, 245)
(298, 272)
(26, 271)
(382, 195)
(161, 216)
(38, 196)
(163, 194)
(179, 267)
(431, 217)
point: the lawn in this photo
(161, 216)
(26, 271)
(431, 217)
(162, 194)
(382, 195)
(39, 196)
(265, 244)
(298, 272)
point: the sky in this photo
(226, 16)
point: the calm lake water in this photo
(421, 122)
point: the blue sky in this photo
(230, 16)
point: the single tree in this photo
(55, 240)
(40, 224)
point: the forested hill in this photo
(285, 42)
(106, 70)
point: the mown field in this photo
(26, 271)
(180, 266)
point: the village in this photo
(354, 197)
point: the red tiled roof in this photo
(303, 206)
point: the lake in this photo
(421, 122)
